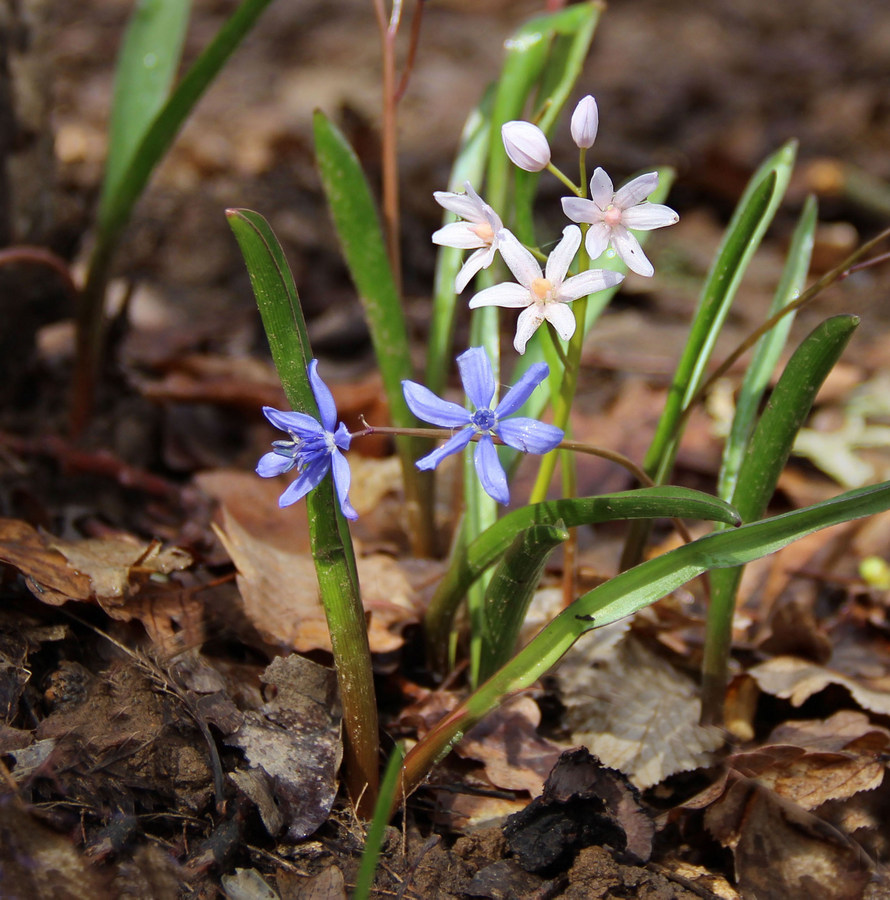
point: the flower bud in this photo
(526, 145)
(585, 121)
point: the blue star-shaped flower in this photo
(527, 435)
(314, 448)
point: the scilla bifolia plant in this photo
(498, 558)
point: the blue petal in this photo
(323, 397)
(342, 437)
(529, 435)
(273, 464)
(298, 423)
(490, 471)
(477, 377)
(454, 444)
(522, 390)
(309, 478)
(430, 408)
(342, 478)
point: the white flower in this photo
(477, 232)
(526, 145)
(611, 213)
(585, 121)
(543, 294)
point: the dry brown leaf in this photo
(294, 741)
(48, 573)
(797, 680)
(636, 712)
(280, 593)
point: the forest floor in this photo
(160, 633)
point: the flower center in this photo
(484, 420)
(612, 215)
(541, 288)
(483, 231)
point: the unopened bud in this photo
(526, 145)
(585, 121)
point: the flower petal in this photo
(430, 408)
(635, 191)
(561, 318)
(477, 377)
(342, 437)
(646, 216)
(522, 390)
(323, 397)
(630, 251)
(529, 435)
(509, 295)
(563, 253)
(588, 282)
(309, 478)
(526, 325)
(292, 422)
(601, 189)
(272, 464)
(520, 261)
(342, 478)
(526, 145)
(490, 471)
(598, 237)
(466, 206)
(580, 210)
(454, 444)
(475, 262)
(585, 121)
(458, 235)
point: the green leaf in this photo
(146, 67)
(624, 595)
(767, 350)
(511, 589)
(765, 457)
(471, 561)
(329, 537)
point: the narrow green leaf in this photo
(511, 589)
(624, 595)
(329, 538)
(765, 457)
(743, 235)
(767, 350)
(471, 561)
(146, 66)
(361, 239)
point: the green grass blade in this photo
(768, 349)
(631, 591)
(469, 562)
(146, 66)
(364, 879)
(511, 589)
(743, 235)
(361, 239)
(332, 550)
(766, 455)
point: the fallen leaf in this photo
(635, 712)
(294, 741)
(797, 680)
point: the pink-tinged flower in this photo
(526, 145)
(611, 213)
(543, 295)
(477, 232)
(585, 122)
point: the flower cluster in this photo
(608, 217)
